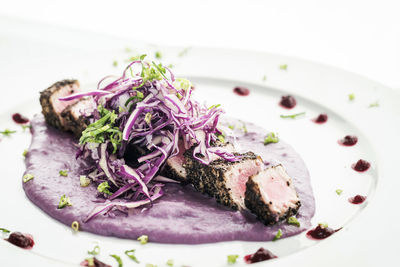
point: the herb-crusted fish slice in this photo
(223, 180)
(271, 195)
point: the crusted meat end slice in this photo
(52, 107)
(271, 195)
(225, 181)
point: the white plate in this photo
(364, 239)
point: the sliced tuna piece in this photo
(66, 115)
(52, 107)
(175, 167)
(76, 116)
(223, 180)
(271, 195)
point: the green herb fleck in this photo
(231, 127)
(264, 78)
(170, 262)
(143, 239)
(118, 259)
(323, 225)
(25, 153)
(64, 202)
(278, 235)
(27, 177)
(95, 251)
(131, 255)
(232, 259)
(339, 192)
(24, 127)
(244, 128)
(7, 132)
(214, 106)
(63, 173)
(184, 52)
(84, 181)
(271, 138)
(4, 230)
(351, 96)
(182, 84)
(150, 265)
(115, 63)
(158, 55)
(75, 226)
(283, 67)
(90, 262)
(170, 66)
(293, 116)
(374, 105)
(147, 118)
(103, 129)
(292, 220)
(103, 188)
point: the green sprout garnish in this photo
(103, 188)
(90, 262)
(271, 138)
(4, 230)
(84, 181)
(147, 118)
(339, 192)
(131, 255)
(25, 153)
(27, 177)
(75, 226)
(214, 106)
(231, 127)
(283, 67)
(24, 127)
(64, 202)
(374, 105)
(95, 251)
(293, 116)
(170, 262)
(184, 52)
(244, 128)
(278, 235)
(264, 78)
(150, 265)
(118, 259)
(158, 55)
(292, 220)
(7, 132)
(182, 84)
(103, 129)
(232, 259)
(63, 173)
(323, 225)
(115, 63)
(143, 239)
(221, 138)
(351, 96)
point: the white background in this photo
(361, 36)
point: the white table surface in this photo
(361, 36)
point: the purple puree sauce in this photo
(181, 216)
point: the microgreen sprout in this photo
(351, 96)
(4, 230)
(143, 239)
(64, 202)
(271, 138)
(339, 192)
(63, 173)
(84, 181)
(283, 67)
(104, 188)
(170, 262)
(278, 235)
(131, 255)
(232, 259)
(293, 220)
(75, 226)
(27, 177)
(118, 259)
(293, 116)
(95, 251)
(7, 132)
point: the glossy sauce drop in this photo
(21, 240)
(288, 101)
(357, 199)
(261, 255)
(18, 118)
(320, 232)
(348, 140)
(242, 91)
(361, 165)
(322, 118)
